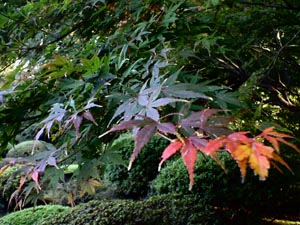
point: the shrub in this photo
(162, 210)
(222, 189)
(26, 148)
(136, 182)
(33, 216)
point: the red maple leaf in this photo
(188, 153)
(189, 156)
(169, 151)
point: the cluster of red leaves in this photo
(243, 149)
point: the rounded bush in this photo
(26, 148)
(226, 189)
(136, 182)
(34, 216)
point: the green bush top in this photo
(33, 216)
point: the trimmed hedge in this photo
(33, 216)
(162, 210)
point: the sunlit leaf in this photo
(152, 113)
(35, 177)
(241, 154)
(172, 148)
(214, 145)
(260, 164)
(163, 101)
(240, 136)
(189, 156)
(52, 162)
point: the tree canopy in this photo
(194, 72)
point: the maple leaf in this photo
(198, 119)
(184, 90)
(89, 116)
(145, 129)
(77, 120)
(213, 145)
(126, 125)
(245, 150)
(170, 150)
(259, 159)
(141, 139)
(56, 114)
(240, 136)
(241, 154)
(206, 122)
(275, 137)
(188, 153)
(22, 182)
(199, 142)
(166, 128)
(189, 156)
(88, 186)
(35, 177)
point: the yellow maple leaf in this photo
(241, 155)
(243, 151)
(260, 163)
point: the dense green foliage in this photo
(33, 216)
(135, 183)
(69, 70)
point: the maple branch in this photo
(163, 136)
(180, 138)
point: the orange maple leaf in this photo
(241, 154)
(260, 158)
(252, 151)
